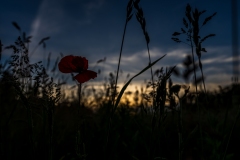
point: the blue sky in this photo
(94, 28)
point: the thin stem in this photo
(79, 97)
(194, 68)
(153, 103)
(79, 135)
(198, 108)
(149, 57)
(203, 78)
(115, 88)
(119, 60)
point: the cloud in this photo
(217, 69)
(58, 17)
(49, 18)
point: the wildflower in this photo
(77, 64)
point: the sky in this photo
(94, 29)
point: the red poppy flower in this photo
(77, 64)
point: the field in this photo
(162, 121)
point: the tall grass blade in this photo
(129, 81)
(128, 17)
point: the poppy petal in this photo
(81, 63)
(66, 66)
(85, 76)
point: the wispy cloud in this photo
(217, 69)
(48, 19)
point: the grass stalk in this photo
(115, 88)
(128, 18)
(201, 69)
(119, 60)
(198, 107)
(141, 19)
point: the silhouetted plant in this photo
(142, 21)
(192, 30)
(31, 83)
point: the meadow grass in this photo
(38, 121)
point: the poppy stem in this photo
(79, 137)
(79, 96)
